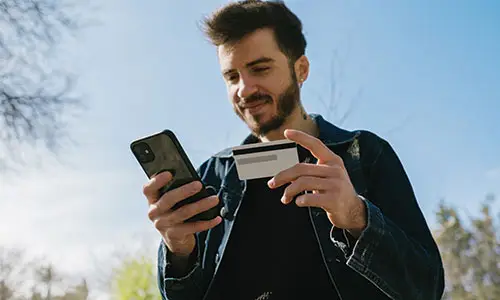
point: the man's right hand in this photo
(179, 236)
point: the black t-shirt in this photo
(272, 252)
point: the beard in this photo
(287, 101)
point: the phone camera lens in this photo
(143, 152)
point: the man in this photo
(360, 234)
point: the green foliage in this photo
(135, 279)
(471, 253)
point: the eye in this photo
(260, 69)
(232, 77)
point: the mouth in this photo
(254, 108)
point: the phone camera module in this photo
(143, 152)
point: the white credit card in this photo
(266, 159)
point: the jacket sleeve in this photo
(191, 285)
(188, 287)
(396, 251)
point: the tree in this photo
(13, 268)
(78, 292)
(47, 276)
(135, 279)
(34, 93)
(23, 279)
(471, 253)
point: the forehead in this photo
(258, 44)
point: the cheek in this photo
(274, 86)
(231, 95)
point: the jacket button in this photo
(217, 258)
(223, 212)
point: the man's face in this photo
(261, 84)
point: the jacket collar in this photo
(329, 134)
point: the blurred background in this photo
(79, 80)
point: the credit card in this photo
(266, 159)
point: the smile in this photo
(255, 107)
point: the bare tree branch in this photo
(336, 95)
(35, 94)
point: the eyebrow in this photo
(252, 63)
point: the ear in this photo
(302, 69)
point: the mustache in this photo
(256, 97)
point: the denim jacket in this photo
(395, 257)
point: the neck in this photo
(298, 120)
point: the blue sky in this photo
(422, 74)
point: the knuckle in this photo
(147, 189)
(306, 169)
(340, 170)
(151, 213)
(157, 224)
(334, 170)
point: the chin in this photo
(258, 121)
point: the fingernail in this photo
(283, 200)
(270, 183)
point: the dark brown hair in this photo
(233, 21)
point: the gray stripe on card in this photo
(258, 159)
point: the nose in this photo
(246, 87)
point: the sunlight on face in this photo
(260, 82)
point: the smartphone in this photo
(161, 152)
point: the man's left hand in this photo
(329, 182)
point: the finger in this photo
(313, 144)
(299, 170)
(306, 183)
(170, 198)
(181, 230)
(311, 200)
(185, 212)
(151, 188)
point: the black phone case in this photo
(162, 155)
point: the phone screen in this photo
(158, 153)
